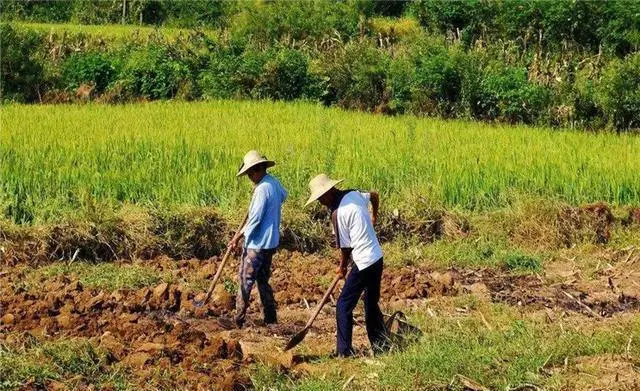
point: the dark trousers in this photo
(358, 281)
(255, 267)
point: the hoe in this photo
(303, 333)
(219, 271)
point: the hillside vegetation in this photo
(560, 64)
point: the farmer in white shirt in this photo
(262, 236)
(357, 241)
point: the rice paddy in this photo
(57, 159)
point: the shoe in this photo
(226, 323)
(341, 355)
(239, 323)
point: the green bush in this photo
(37, 10)
(619, 93)
(505, 94)
(270, 21)
(621, 31)
(153, 73)
(468, 19)
(96, 12)
(22, 75)
(437, 84)
(285, 76)
(196, 13)
(581, 94)
(89, 68)
(219, 79)
(357, 76)
(518, 261)
(401, 80)
(248, 74)
(434, 79)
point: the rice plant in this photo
(60, 159)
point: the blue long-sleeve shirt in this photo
(262, 230)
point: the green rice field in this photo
(56, 159)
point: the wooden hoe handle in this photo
(323, 301)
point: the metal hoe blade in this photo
(303, 333)
(293, 342)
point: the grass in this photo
(106, 31)
(73, 361)
(466, 253)
(515, 350)
(107, 276)
(57, 160)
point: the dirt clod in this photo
(112, 345)
(64, 321)
(137, 360)
(161, 328)
(223, 299)
(478, 289)
(7, 319)
(588, 223)
(151, 347)
(161, 292)
(633, 217)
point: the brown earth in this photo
(161, 327)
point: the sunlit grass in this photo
(493, 345)
(104, 31)
(56, 159)
(72, 362)
(108, 276)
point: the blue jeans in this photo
(255, 267)
(358, 281)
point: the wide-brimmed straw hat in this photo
(251, 159)
(320, 185)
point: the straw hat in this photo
(251, 159)
(320, 185)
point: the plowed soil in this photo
(161, 327)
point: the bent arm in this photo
(345, 256)
(375, 204)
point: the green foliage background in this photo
(565, 64)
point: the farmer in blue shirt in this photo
(262, 236)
